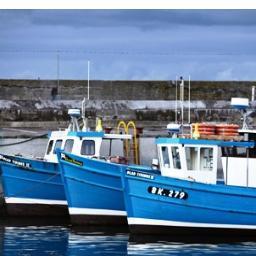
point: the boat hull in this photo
(163, 205)
(32, 188)
(36, 210)
(93, 190)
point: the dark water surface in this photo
(64, 240)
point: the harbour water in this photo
(63, 240)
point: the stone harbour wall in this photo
(152, 103)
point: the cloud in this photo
(144, 19)
(129, 44)
(227, 74)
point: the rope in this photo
(24, 141)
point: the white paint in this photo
(236, 172)
(16, 200)
(240, 102)
(55, 135)
(91, 211)
(118, 136)
(199, 174)
(142, 221)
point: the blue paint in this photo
(205, 203)
(87, 134)
(94, 184)
(40, 180)
(219, 143)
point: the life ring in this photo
(205, 128)
(227, 129)
(206, 133)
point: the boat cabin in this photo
(188, 159)
(198, 160)
(239, 161)
(88, 144)
(83, 142)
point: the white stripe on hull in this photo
(152, 222)
(15, 200)
(91, 211)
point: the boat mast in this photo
(58, 71)
(85, 119)
(176, 100)
(88, 81)
(182, 98)
(189, 99)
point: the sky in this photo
(128, 44)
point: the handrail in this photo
(126, 146)
(135, 141)
(126, 127)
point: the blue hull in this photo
(32, 187)
(157, 204)
(93, 190)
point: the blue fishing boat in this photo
(93, 184)
(206, 186)
(34, 187)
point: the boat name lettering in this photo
(13, 161)
(168, 192)
(71, 160)
(140, 174)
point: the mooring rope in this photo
(24, 141)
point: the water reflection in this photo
(32, 240)
(61, 240)
(192, 245)
(97, 241)
(174, 248)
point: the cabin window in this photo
(241, 152)
(192, 158)
(227, 151)
(57, 145)
(88, 148)
(68, 145)
(176, 158)
(49, 149)
(165, 157)
(234, 151)
(252, 152)
(112, 147)
(206, 159)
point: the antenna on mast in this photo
(88, 81)
(182, 98)
(58, 70)
(189, 99)
(85, 119)
(176, 103)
